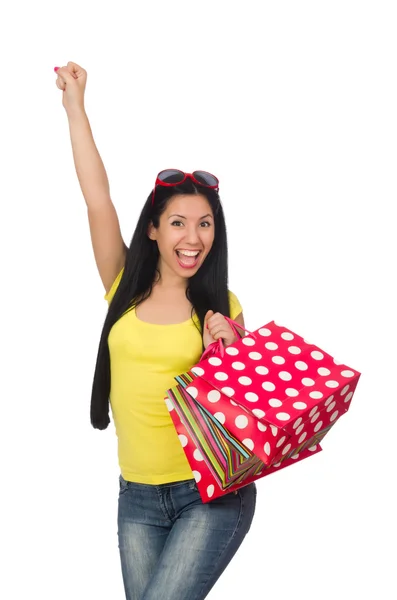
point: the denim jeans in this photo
(172, 545)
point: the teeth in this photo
(188, 252)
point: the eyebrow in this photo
(182, 217)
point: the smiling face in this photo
(184, 236)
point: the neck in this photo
(169, 279)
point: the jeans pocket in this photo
(193, 485)
(123, 485)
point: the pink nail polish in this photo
(56, 69)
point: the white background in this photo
(293, 106)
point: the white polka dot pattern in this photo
(228, 391)
(251, 397)
(275, 402)
(198, 371)
(241, 421)
(192, 391)
(221, 376)
(215, 361)
(214, 396)
(232, 351)
(219, 416)
(271, 346)
(197, 455)
(197, 476)
(249, 443)
(294, 350)
(239, 366)
(169, 404)
(272, 390)
(208, 486)
(278, 360)
(258, 413)
(262, 370)
(183, 439)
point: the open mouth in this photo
(188, 259)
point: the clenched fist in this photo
(72, 80)
(215, 328)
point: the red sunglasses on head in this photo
(170, 177)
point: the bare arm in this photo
(107, 242)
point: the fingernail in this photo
(56, 69)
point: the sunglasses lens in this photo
(205, 178)
(171, 176)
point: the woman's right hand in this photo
(72, 80)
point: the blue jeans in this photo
(172, 545)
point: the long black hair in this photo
(206, 290)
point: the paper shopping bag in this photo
(247, 426)
(291, 386)
(220, 463)
(261, 404)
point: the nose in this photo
(192, 235)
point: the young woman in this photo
(167, 296)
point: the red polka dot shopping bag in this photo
(257, 406)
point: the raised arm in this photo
(107, 242)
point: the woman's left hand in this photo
(216, 327)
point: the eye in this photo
(173, 222)
(206, 223)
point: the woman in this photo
(167, 296)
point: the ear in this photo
(152, 231)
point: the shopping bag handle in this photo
(218, 346)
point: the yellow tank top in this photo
(144, 359)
